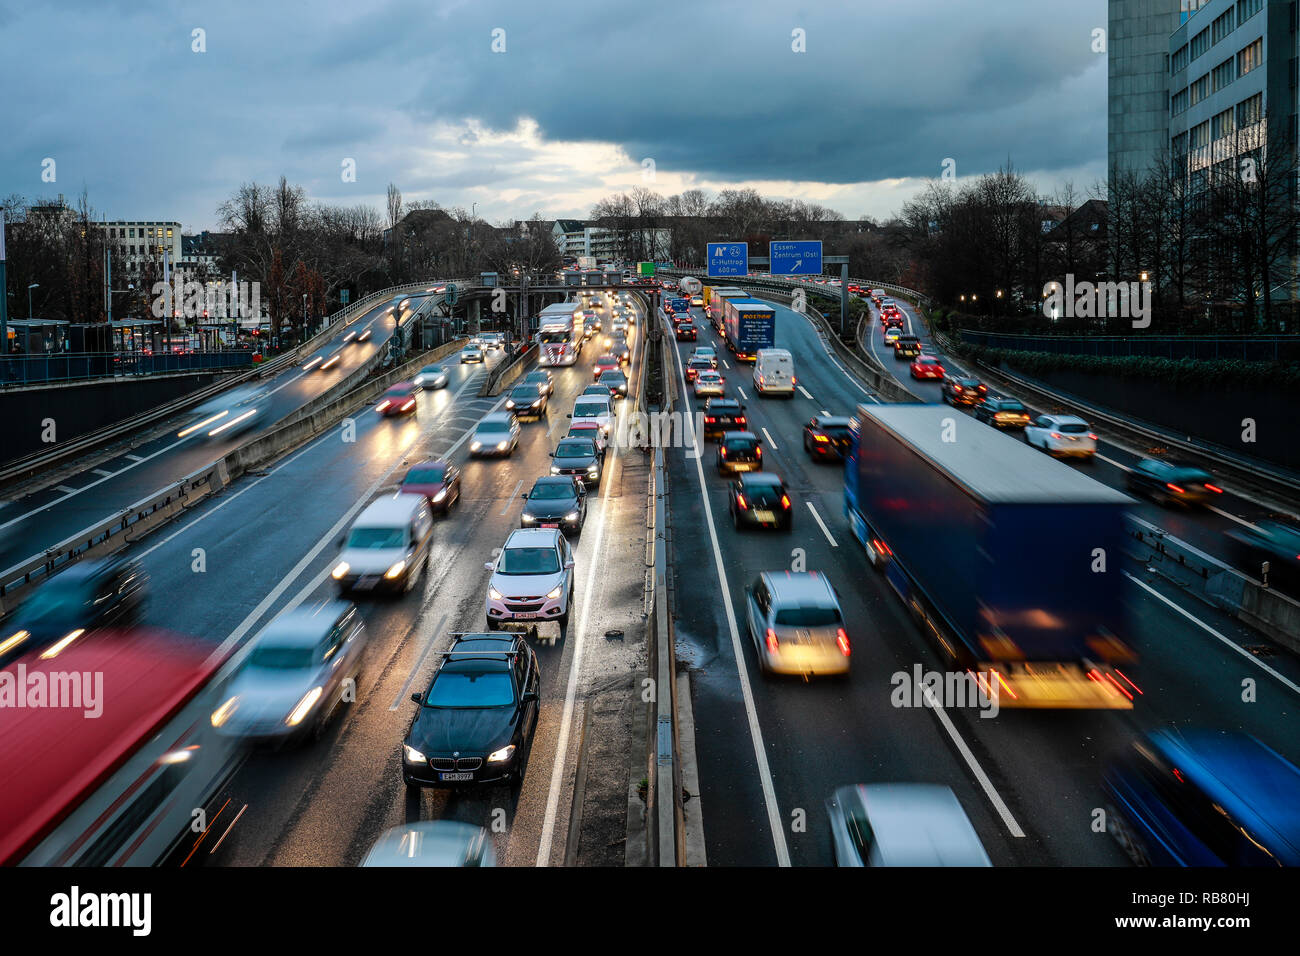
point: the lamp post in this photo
(34, 285)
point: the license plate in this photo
(366, 583)
(525, 615)
(455, 776)
(550, 524)
(765, 515)
(741, 466)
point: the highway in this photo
(771, 750)
(92, 491)
(269, 545)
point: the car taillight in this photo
(880, 546)
(740, 420)
(709, 420)
(723, 451)
(1056, 434)
(785, 502)
(1215, 488)
(793, 380)
(758, 451)
(956, 388)
(842, 639)
(772, 642)
(742, 503)
(820, 438)
(1174, 488)
(1092, 435)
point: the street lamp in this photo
(34, 285)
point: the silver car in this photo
(299, 669)
(432, 843)
(497, 433)
(902, 824)
(796, 625)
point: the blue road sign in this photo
(795, 257)
(728, 259)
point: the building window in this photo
(1221, 124)
(132, 233)
(1200, 43)
(1178, 103)
(1250, 111)
(1180, 144)
(1250, 57)
(1222, 26)
(1199, 90)
(1224, 74)
(1199, 135)
(1179, 60)
(169, 233)
(1247, 9)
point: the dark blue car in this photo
(1206, 798)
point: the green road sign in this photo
(345, 295)
(645, 268)
(450, 295)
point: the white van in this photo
(774, 372)
(387, 547)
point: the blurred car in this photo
(398, 400)
(591, 430)
(926, 366)
(796, 625)
(387, 547)
(598, 409)
(710, 382)
(906, 347)
(1196, 797)
(697, 302)
(494, 340)
(963, 390)
(532, 579)
(902, 824)
(475, 722)
(292, 680)
(89, 595)
(1273, 541)
(892, 332)
(686, 331)
(621, 351)
(1002, 412)
(497, 433)
(616, 382)
(229, 414)
(723, 415)
(1170, 482)
(760, 499)
(437, 480)
(431, 376)
(1061, 435)
(364, 334)
(697, 364)
(826, 437)
(328, 363)
(620, 323)
(527, 400)
(739, 451)
(470, 354)
(580, 458)
(556, 501)
(542, 379)
(605, 363)
(432, 843)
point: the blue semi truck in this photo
(1008, 559)
(749, 325)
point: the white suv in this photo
(532, 580)
(594, 408)
(1063, 435)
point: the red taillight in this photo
(740, 420)
(723, 451)
(742, 503)
(1174, 488)
(785, 502)
(842, 639)
(708, 420)
(1056, 434)
(1092, 435)
(758, 451)
(1215, 488)
(793, 380)
(880, 546)
(772, 643)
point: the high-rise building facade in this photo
(1137, 88)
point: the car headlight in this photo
(222, 713)
(571, 516)
(419, 380)
(510, 404)
(527, 517)
(411, 755)
(504, 754)
(593, 470)
(340, 569)
(555, 469)
(495, 595)
(475, 446)
(501, 446)
(439, 496)
(555, 594)
(395, 570)
(304, 707)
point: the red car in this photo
(606, 363)
(398, 400)
(927, 366)
(854, 288)
(438, 481)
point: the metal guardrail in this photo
(828, 291)
(39, 369)
(1271, 348)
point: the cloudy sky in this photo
(577, 100)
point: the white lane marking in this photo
(980, 776)
(825, 530)
(805, 392)
(64, 488)
(513, 495)
(725, 365)
(1226, 641)
(571, 690)
(102, 471)
(1112, 461)
(768, 436)
(1232, 517)
(774, 821)
(134, 458)
(742, 393)
(419, 663)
